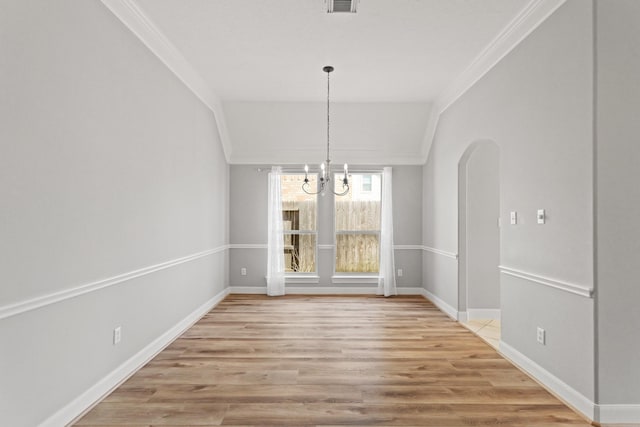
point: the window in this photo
(366, 183)
(299, 217)
(357, 224)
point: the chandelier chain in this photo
(328, 115)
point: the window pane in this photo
(366, 183)
(357, 253)
(298, 207)
(359, 210)
(300, 253)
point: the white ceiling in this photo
(398, 64)
(389, 51)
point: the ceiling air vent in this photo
(334, 6)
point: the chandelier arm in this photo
(305, 185)
(344, 193)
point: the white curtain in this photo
(387, 277)
(275, 249)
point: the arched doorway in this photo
(479, 239)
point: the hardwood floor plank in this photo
(329, 361)
(126, 414)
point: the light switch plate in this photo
(117, 335)
(514, 217)
(541, 216)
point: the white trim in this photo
(573, 288)
(523, 24)
(136, 20)
(264, 246)
(441, 304)
(365, 157)
(463, 316)
(324, 290)
(332, 290)
(44, 300)
(618, 414)
(248, 246)
(98, 391)
(323, 247)
(328, 247)
(440, 252)
(555, 385)
(312, 280)
(352, 280)
(483, 313)
(407, 247)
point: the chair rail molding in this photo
(248, 246)
(440, 252)
(573, 288)
(55, 297)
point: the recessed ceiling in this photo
(389, 51)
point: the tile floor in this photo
(487, 329)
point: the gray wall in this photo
(479, 234)
(108, 164)
(618, 201)
(536, 104)
(248, 205)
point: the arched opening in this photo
(479, 240)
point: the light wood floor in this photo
(329, 360)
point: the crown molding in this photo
(530, 18)
(361, 157)
(136, 20)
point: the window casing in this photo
(299, 215)
(357, 225)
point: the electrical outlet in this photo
(541, 336)
(513, 217)
(400, 272)
(117, 335)
(243, 271)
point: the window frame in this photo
(348, 276)
(310, 276)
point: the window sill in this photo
(352, 279)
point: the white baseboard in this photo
(411, 290)
(618, 414)
(93, 395)
(323, 290)
(554, 384)
(446, 308)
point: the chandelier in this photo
(325, 167)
